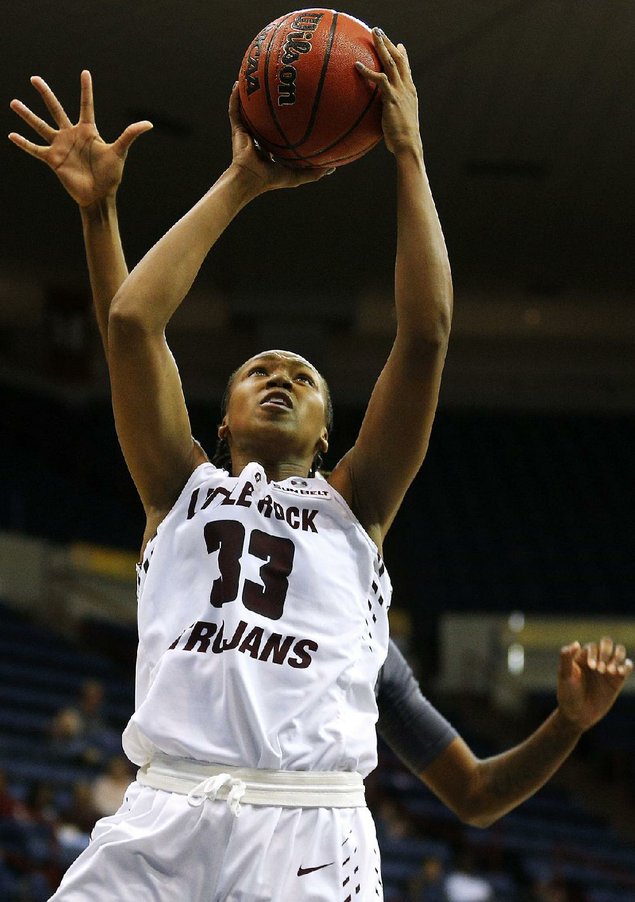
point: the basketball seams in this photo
(352, 128)
(318, 93)
(350, 157)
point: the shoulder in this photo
(203, 470)
(342, 480)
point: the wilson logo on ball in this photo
(297, 43)
(301, 96)
(253, 58)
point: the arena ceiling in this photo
(528, 118)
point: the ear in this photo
(223, 430)
(323, 442)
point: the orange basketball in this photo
(302, 98)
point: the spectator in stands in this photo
(39, 806)
(81, 732)
(81, 812)
(40, 821)
(94, 723)
(67, 742)
(109, 788)
(428, 885)
(90, 708)
(10, 807)
(464, 883)
(392, 820)
(557, 889)
(76, 823)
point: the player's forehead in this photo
(279, 356)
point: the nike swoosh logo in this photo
(303, 871)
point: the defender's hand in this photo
(589, 680)
(88, 167)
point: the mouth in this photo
(278, 399)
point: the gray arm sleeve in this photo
(408, 723)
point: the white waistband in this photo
(284, 788)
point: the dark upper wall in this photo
(528, 122)
(527, 511)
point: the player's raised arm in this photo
(394, 436)
(150, 412)
(90, 170)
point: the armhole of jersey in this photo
(143, 565)
(380, 566)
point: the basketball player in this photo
(263, 597)
(417, 732)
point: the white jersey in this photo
(262, 628)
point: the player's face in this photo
(277, 398)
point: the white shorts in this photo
(159, 848)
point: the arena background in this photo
(519, 532)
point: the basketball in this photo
(301, 96)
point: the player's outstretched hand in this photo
(400, 105)
(89, 168)
(259, 167)
(590, 678)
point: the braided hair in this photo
(222, 455)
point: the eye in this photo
(257, 371)
(304, 377)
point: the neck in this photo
(276, 470)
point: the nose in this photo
(279, 379)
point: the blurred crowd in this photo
(43, 831)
